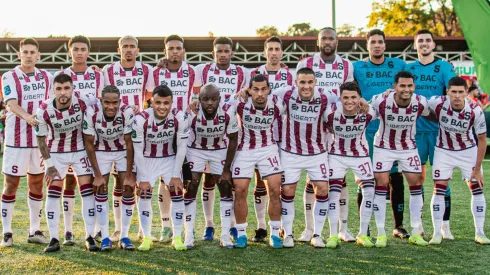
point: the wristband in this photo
(48, 163)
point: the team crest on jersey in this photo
(248, 118)
(444, 119)
(57, 125)
(7, 90)
(119, 82)
(212, 79)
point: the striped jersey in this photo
(229, 81)
(87, 85)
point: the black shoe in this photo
(53, 246)
(98, 237)
(69, 239)
(401, 233)
(260, 235)
(90, 244)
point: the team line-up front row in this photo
(320, 133)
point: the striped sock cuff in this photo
(344, 183)
(309, 188)
(54, 192)
(367, 184)
(101, 197)
(8, 199)
(335, 185)
(321, 198)
(440, 190)
(148, 196)
(226, 198)
(70, 194)
(380, 190)
(86, 190)
(208, 186)
(128, 200)
(285, 198)
(415, 190)
(117, 192)
(35, 197)
(476, 189)
(176, 197)
(260, 191)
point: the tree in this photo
(345, 30)
(267, 31)
(7, 34)
(301, 29)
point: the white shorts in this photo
(22, 161)
(361, 166)
(316, 167)
(158, 167)
(199, 158)
(265, 159)
(408, 160)
(107, 160)
(445, 161)
(77, 160)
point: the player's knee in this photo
(192, 188)
(209, 181)
(321, 189)
(11, 185)
(288, 190)
(118, 183)
(103, 189)
(128, 192)
(70, 182)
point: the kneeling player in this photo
(60, 123)
(154, 132)
(458, 119)
(211, 130)
(107, 134)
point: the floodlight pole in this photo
(333, 14)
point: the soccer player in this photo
(331, 70)
(278, 76)
(349, 150)
(107, 135)
(133, 79)
(460, 119)
(394, 141)
(24, 89)
(181, 78)
(59, 135)
(230, 79)
(87, 84)
(257, 148)
(374, 76)
(154, 133)
(213, 140)
(431, 78)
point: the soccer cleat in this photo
(417, 239)
(346, 236)
(189, 240)
(306, 236)
(115, 236)
(481, 239)
(446, 232)
(208, 234)
(436, 239)
(69, 239)
(53, 246)
(166, 235)
(37, 237)
(365, 241)
(333, 242)
(401, 233)
(260, 235)
(142, 236)
(317, 242)
(241, 242)
(98, 237)
(7, 240)
(234, 233)
(381, 241)
(146, 244)
(178, 244)
(226, 242)
(125, 243)
(275, 242)
(106, 244)
(90, 244)
(288, 242)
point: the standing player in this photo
(375, 76)
(107, 137)
(431, 79)
(24, 89)
(257, 148)
(331, 70)
(229, 78)
(154, 133)
(59, 135)
(394, 141)
(459, 120)
(87, 84)
(278, 77)
(181, 78)
(133, 79)
(212, 130)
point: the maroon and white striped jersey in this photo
(397, 124)
(180, 82)
(329, 75)
(255, 125)
(229, 81)
(158, 136)
(303, 132)
(63, 128)
(132, 83)
(87, 85)
(30, 90)
(456, 127)
(211, 134)
(349, 131)
(109, 135)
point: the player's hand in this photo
(283, 65)
(31, 120)
(477, 176)
(136, 109)
(304, 56)
(243, 93)
(177, 184)
(95, 68)
(366, 59)
(226, 176)
(129, 180)
(99, 182)
(363, 106)
(162, 63)
(194, 106)
(51, 173)
(388, 92)
(143, 188)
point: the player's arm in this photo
(138, 139)
(350, 75)
(182, 135)
(232, 134)
(129, 178)
(480, 128)
(10, 94)
(41, 134)
(88, 142)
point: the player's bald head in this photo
(209, 90)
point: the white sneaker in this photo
(288, 242)
(225, 241)
(446, 232)
(115, 236)
(436, 239)
(189, 242)
(306, 236)
(346, 236)
(317, 242)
